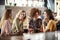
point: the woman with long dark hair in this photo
(48, 22)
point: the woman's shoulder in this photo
(39, 19)
(52, 21)
(6, 21)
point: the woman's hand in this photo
(43, 23)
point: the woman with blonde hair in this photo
(6, 23)
(18, 21)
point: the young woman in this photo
(6, 22)
(17, 26)
(35, 22)
(48, 22)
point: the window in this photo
(25, 3)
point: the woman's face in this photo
(22, 15)
(36, 15)
(11, 15)
(45, 15)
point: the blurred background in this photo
(54, 5)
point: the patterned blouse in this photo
(6, 27)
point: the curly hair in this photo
(34, 11)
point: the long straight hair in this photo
(6, 15)
(16, 17)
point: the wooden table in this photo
(12, 38)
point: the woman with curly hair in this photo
(36, 21)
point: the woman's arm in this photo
(14, 26)
(49, 25)
(43, 24)
(5, 27)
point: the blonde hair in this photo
(14, 21)
(20, 12)
(17, 15)
(5, 16)
(2, 19)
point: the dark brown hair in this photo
(49, 13)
